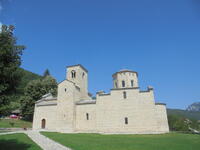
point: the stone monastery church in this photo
(125, 110)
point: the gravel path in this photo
(44, 142)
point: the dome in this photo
(125, 70)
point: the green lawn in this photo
(18, 141)
(14, 123)
(3, 131)
(171, 141)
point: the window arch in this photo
(73, 73)
(123, 83)
(124, 95)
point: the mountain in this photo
(194, 107)
(184, 113)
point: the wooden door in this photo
(43, 123)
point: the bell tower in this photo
(78, 75)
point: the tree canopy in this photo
(10, 60)
(34, 91)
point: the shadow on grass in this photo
(13, 145)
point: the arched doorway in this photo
(43, 123)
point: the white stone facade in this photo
(125, 110)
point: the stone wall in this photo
(109, 113)
(161, 116)
(49, 113)
(86, 118)
(67, 93)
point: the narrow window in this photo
(132, 83)
(126, 120)
(124, 95)
(123, 83)
(83, 75)
(87, 116)
(116, 85)
(73, 73)
(65, 89)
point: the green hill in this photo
(184, 113)
(27, 76)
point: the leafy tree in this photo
(27, 107)
(177, 123)
(34, 91)
(171, 120)
(195, 124)
(181, 125)
(46, 73)
(10, 60)
(50, 85)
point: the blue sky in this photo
(160, 39)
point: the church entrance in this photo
(43, 123)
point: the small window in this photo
(126, 120)
(87, 116)
(65, 89)
(123, 83)
(124, 95)
(83, 75)
(132, 82)
(116, 85)
(73, 73)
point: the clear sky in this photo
(160, 39)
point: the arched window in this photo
(132, 82)
(73, 73)
(124, 95)
(87, 116)
(126, 120)
(123, 83)
(65, 89)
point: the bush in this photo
(178, 123)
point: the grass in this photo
(18, 141)
(171, 141)
(14, 123)
(3, 131)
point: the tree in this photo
(46, 73)
(10, 60)
(50, 85)
(178, 123)
(33, 92)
